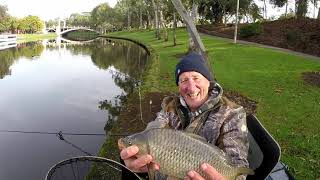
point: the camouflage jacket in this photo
(220, 121)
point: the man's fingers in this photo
(194, 176)
(211, 172)
(140, 162)
(155, 166)
(129, 152)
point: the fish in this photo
(178, 152)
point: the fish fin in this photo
(244, 170)
(151, 172)
(195, 136)
(172, 178)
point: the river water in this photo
(51, 86)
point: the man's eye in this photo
(183, 80)
(196, 79)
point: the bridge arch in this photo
(77, 28)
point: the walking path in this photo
(267, 46)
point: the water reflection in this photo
(10, 55)
(53, 86)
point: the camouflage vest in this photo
(193, 121)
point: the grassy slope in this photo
(35, 37)
(286, 105)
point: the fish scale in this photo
(185, 153)
(178, 152)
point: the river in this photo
(52, 86)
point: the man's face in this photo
(194, 88)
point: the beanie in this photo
(193, 62)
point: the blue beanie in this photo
(192, 62)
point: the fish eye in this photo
(129, 140)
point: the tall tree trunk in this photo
(174, 29)
(191, 28)
(296, 7)
(155, 18)
(148, 19)
(285, 15)
(129, 20)
(314, 8)
(140, 14)
(265, 9)
(165, 31)
(192, 46)
(224, 14)
(159, 21)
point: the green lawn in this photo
(35, 37)
(287, 107)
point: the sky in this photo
(51, 9)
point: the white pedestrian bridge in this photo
(63, 30)
(8, 41)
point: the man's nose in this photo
(191, 85)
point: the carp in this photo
(177, 152)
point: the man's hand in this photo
(134, 162)
(210, 172)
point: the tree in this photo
(77, 19)
(301, 8)
(214, 11)
(265, 9)
(156, 18)
(14, 24)
(31, 24)
(315, 5)
(102, 17)
(3, 12)
(170, 16)
(190, 27)
(254, 12)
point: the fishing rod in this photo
(60, 132)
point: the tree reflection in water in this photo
(128, 63)
(10, 56)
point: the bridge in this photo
(63, 30)
(60, 30)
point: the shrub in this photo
(251, 30)
(292, 37)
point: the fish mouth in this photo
(121, 144)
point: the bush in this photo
(292, 37)
(251, 30)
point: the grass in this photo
(287, 107)
(35, 37)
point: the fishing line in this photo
(60, 136)
(60, 132)
(140, 105)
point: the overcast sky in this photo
(51, 9)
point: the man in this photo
(200, 109)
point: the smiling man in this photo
(201, 109)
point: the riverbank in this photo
(35, 37)
(286, 105)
